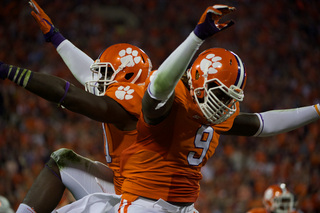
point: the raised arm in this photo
(158, 99)
(57, 90)
(77, 61)
(273, 122)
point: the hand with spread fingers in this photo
(44, 22)
(209, 25)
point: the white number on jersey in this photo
(202, 141)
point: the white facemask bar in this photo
(214, 109)
(97, 81)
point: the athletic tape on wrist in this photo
(19, 75)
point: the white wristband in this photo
(280, 121)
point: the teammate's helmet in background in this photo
(119, 63)
(277, 199)
(217, 79)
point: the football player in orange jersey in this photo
(125, 68)
(180, 124)
(277, 199)
(118, 109)
(176, 184)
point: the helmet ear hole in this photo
(197, 76)
(128, 75)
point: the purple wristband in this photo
(65, 93)
(53, 36)
(206, 29)
(56, 39)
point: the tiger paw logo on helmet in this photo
(124, 93)
(130, 57)
(211, 62)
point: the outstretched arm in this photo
(273, 122)
(77, 61)
(57, 90)
(155, 103)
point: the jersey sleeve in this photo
(128, 95)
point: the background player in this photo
(277, 199)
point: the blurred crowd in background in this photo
(279, 42)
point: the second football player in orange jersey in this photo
(180, 124)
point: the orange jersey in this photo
(129, 96)
(166, 160)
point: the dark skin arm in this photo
(152, 115)
(245, 124)
(99, 108)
